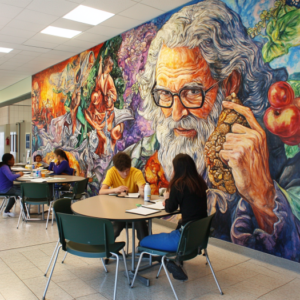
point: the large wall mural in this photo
(157, 90)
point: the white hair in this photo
(225, 45)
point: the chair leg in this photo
(64, 257)
(3, 204)
(168, 276)
(127, 239)
(212, 270)
(52, 213)
(49, 279)
(104, 266)
(116, 275)
(49, 209)
(19, 219)
(125, 265)
(159, 271)
(51, 259)
(137, 268)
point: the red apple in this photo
(282, 122)
(280, 94)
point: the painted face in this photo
(183, 67)
(124, 174)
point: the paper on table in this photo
(39, 180)
(158, 205)
(132, 195)
(142, 211)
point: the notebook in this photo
(130, 195)
(158, 205)
(142, 211)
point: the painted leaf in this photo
(291, 151)
(283, 34)
(296, 87)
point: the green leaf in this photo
(295, 86)
(283, 34)
(291, 151)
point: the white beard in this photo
(171, 145)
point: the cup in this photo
(43, 175)
(161, 191)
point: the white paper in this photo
(132, 195)
(142, 211)
(39, 180)
(158, 205)
(18, 169)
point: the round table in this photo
(114, 209)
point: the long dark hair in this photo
(186, 175)
(5, 158)
(61, 153)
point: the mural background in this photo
(89, 106)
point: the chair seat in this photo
(92, 251)
(33, 201)
(155, 251)
(70, 196)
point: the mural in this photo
(158, 89)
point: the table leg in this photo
(150, 232)
(43, 211)
(39, 209)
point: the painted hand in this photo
(246, 152)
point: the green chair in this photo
(85, 237)
(194, 238)
(35, 194)
(79, 190)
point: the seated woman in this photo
(61, 166)
(6, 182)
(39, 161)
(187, 189)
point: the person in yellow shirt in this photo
(122, 177)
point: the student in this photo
(6, 182)
(124, 178)
(188, 192)
(39, 161)
(61, 167)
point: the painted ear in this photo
(232, 83)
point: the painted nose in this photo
(178, 111)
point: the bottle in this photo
(147, 192)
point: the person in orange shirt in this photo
(124, 178)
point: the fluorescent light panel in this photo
(5, 50)
(88, 15)
(62, 32)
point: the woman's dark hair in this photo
(186, 175)
(122, 161)
(61, 153)
(37, 156)
(5, 159)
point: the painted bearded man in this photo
(206, 47)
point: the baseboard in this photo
(271, 259)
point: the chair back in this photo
(194, 237)
(80, 186)
(81, 229)
(35, 191)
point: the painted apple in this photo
(292, 140)
(280, 94)
(283, 122)
(297, 103)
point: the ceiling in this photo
(22, 20)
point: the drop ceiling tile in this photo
(121, 22)
(8, 11)
(54, 7)
(164, 5)
(36, 17)
(67, 48)
(11, 39)
(49, 38)
(30, 53)
(19, 3)
(4, 21)
(76, 1)
(105, 30)
(40, 44)
(32, 48)
(141, 12)
(112, 6)
(89, 37)
(7, 30)
(30, 26)
(69, 24)
(80, 44)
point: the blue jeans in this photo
(162, 241)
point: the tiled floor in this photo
(25, 253)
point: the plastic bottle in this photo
(147, 192)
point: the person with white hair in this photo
(200, 56)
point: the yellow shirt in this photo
(133, 181)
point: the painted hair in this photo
(224, 44)
(61, 153)
(108, 62)
(5, 158)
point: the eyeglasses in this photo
(190, 97)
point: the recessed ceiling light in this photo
(62, 32)
(88, 15)
(5, 50)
